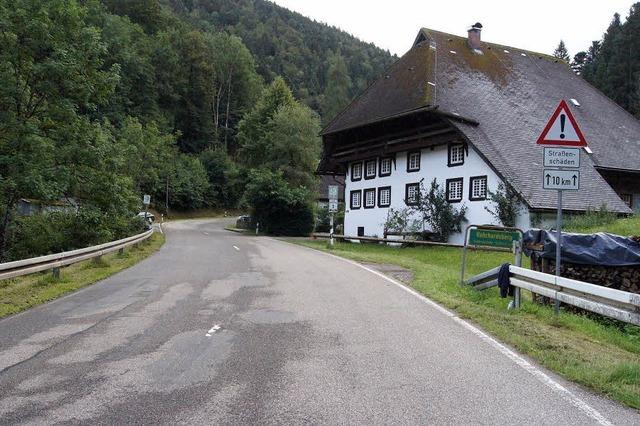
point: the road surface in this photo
(221, 328)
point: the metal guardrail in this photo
(384, 240)
(609, 302)
(55, 261)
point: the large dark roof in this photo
(511, 93)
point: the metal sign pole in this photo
(558, 244)
(331, 231)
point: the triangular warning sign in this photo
(562, 129)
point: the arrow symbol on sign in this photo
(548, 176)
(575, 178)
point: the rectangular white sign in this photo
(333, 192)
(562, 157)
(333, 207)
(566, 180)
(146, 199)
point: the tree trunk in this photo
(226, 118)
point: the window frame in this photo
(364, 198)
(375, 169)
(380, 189)
(448, 194)
(449, 150)
(409, 154)
(630, 203)
(486, 188)
(361, 171)
(380, 174)
(406, 193)
(351, 207)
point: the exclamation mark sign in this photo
(562, 120)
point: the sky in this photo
(531, 25)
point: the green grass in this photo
(598, 222)
(22, 293)
(602, 355)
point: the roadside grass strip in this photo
(21, 293)
(601, 354)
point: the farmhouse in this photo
(468, 114)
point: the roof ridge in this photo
(503, 46)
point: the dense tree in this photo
(561, 52)
(51, 68)
(613, 64)
(336, 94)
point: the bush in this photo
(442, 217)
(590, 219)
(277, 207)
(55, 232)
(506, 205)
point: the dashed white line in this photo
(213, 330)
(517, 359)
(236, 247)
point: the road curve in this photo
(221, 328)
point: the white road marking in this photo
(213, 330)
(235, 247)
(205, 233)
(517, 359)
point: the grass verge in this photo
(601, 355)
(21, 293)
(593, 222)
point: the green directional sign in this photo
(493, 238)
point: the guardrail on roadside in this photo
(383, 240)
(609, 302)
(57, 260)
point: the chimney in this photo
(474, 36)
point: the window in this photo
(356, 199)
(370, 169)
(360, 231)
(412, 194)
(385, 166)
(356, 171)
(384, 196)
(478, 188)
(456, 155)
(628, 199)
(369, 198)
(413, 161)
(454, 190)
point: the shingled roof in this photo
(510, 93)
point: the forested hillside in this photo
(290, 45)
(103, 101)
(612, 64)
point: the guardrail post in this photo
(56, 273)
(121, 251)
(516, 294)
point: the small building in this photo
(468, 114)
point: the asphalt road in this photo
(220, 328)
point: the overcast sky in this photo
(531, 25)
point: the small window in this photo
(370, 169)
(454, 190)
(412, 194)
(413, 161)
(456, 155)
(384, 196)
(628, 199)
(356, 171)
(478, 188)
(356, 199)
(385, 166)
(369, 198)
(360, 231)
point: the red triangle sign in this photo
(562, 129)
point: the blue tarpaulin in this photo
(586, 249)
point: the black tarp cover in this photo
(586, 249)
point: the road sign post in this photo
(333, 208)
(560, 164)
(146, 200)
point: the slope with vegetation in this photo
(103, 101)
